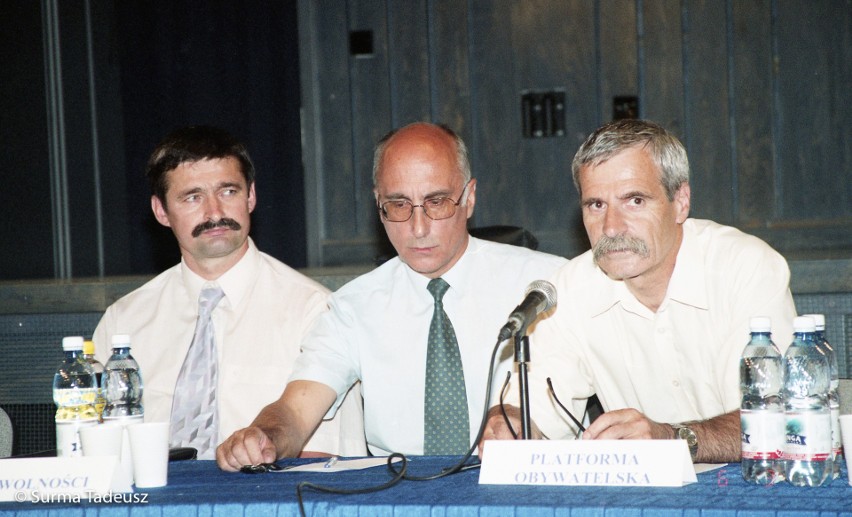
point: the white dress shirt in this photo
(378, 326)
(267, 310)
(676, 365)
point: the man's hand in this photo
(248, 446)
(280, 430)
(718, 437)
(624, 424)
(496, 428)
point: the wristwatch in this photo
(683, 432)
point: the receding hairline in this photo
(435, 134)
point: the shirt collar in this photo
(235, 282)
(455, 276)
(687, 284)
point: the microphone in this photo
(540, 296)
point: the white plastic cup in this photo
(846, 435)
(101, 440)
(149, 443)
(125, 463)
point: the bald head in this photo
(422, 136)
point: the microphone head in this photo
(546, 289)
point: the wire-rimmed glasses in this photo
(435, 208)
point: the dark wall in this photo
(759, 91)
(230, 64)
(75, 143)
(25, 197)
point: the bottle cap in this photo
(72, 343)
(819, 320)
(121, 341)
(88, 347)
(804, 324)
(760, 324)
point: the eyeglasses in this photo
(436, 208)
(580, 427)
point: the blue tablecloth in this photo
(199, 488)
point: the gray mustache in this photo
(619, 243)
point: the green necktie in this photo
(446, 428)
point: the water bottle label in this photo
(808, 436)
(68, 443)
(762, 434)
(74, 396)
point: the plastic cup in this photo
(101, 440)
(149, 444)
(846, 435)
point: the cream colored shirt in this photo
(267, 309)
(676, 365)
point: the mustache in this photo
(619, 243)
(224, 222)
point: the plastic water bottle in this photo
(98, 368)
(761, 410)
(122, 385)
(833, 393)
(807, 451)
(74, 391)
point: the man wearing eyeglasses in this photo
(378, 327)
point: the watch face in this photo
(684, 433)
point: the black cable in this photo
(398, 476)
(461, 465)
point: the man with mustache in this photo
(653, 319)
(203, 187)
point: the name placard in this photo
(52, 479)
(587, 462)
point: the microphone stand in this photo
(522, 356)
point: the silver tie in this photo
(194, 419)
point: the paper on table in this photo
(340, 465)
(707, 467)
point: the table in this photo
(199, 488)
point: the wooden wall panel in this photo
(707, 136)
(371, 89)
(662, 66)
(408, 62)
(526, 181)
(814, 115)
(449, 66)
(495, 123)
(336, 173)
(617, 55)
(753, 139)
(758, 90)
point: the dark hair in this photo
(193, 144)
(608, 140)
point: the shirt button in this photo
(676, 384)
